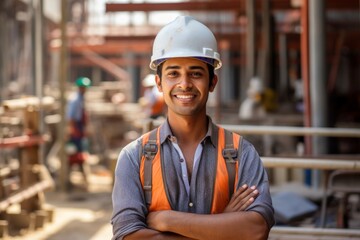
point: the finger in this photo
(235, 198)
(244, 194)
(242, 202)
(249, 201)
(240, 198)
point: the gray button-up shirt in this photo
(186, 195)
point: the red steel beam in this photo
(144, 61)
(227, 5)
(142, 45)
(178, 6)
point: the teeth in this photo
(184, 96)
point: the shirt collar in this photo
(212, 132)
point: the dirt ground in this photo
(78, 215)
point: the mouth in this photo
(185, 97)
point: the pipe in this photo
(319, 105)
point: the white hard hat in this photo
(149, 80)
(185, 37)
(255, 86)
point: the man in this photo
(252, 107)
(189, 196)
(77, 121)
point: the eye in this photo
(196, 74)
(172, 74)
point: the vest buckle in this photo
(230, 154)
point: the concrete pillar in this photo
(96, 76)
(39, 66)
(135, 80)
(265, 62)
(226, 75)
(2, 49)
(250, 45)
(283, 86)
(63, 76)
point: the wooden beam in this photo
(26, 193)
(23, 141)
(107, 65)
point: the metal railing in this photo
(320, 164)
(313, 233)
(307, 163)
(325, 164)
(293, 131)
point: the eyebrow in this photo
(191, 67)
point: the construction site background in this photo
(290, 84)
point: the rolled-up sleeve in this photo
(252, 172)
(129, 209)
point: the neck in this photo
(188, 129)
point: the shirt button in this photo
(181, 160)
(191, 204)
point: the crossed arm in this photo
(233, 223)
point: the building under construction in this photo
(302, 57)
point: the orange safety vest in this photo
(226, 176)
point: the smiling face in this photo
(185, 85)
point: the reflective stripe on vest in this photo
(159, 200)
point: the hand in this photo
(242, 199)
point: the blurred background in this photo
(290, 83)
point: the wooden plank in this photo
(26, 193)
(23, 141)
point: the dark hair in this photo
(210, 70)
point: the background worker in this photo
(77, 135)
(190, 188)
(252, 107)
(152, 101)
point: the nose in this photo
(185, 82)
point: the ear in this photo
(158, 82)
(213, 83)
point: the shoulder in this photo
(250, 157)
(247, 146)
(131, 152)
